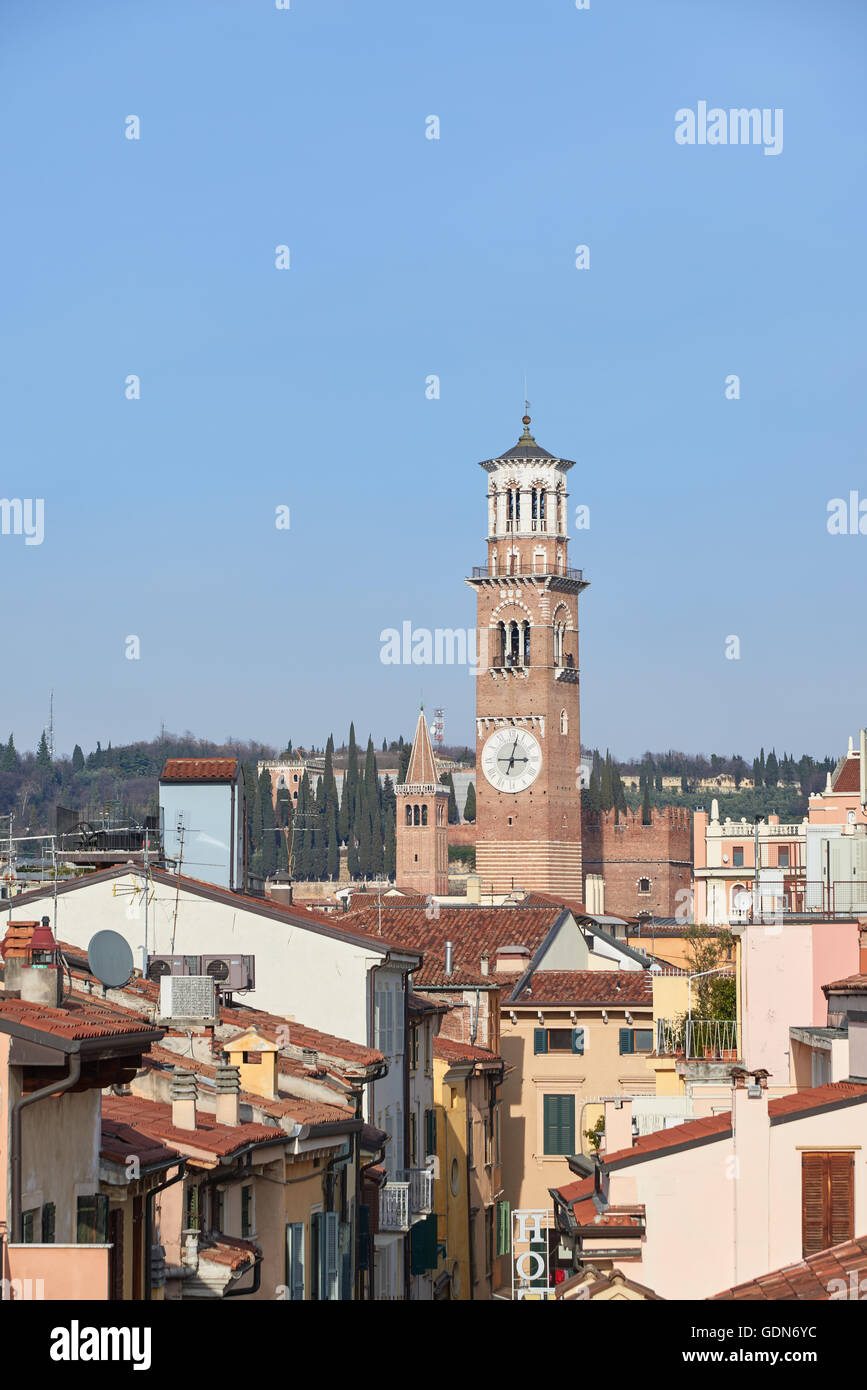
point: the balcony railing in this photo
(485, 572)
(694, 1039)
(811, 899)
(394, 1207)
(420, 1190)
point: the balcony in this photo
(485, 572)
(406, 1200)
(698, 1039)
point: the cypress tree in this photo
(470, 804)
(772, 770)
(646, 809)
(448, 781)
(350, 786)
(403, 758)
(332, 854)
(9, 757)
(43, 757)
(77, 759)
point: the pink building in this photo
(689, 1211)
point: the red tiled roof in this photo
(810, 1278)
(231, 1251)
(718, 1126)
(300, 1035)
(120, 1140)
(615, 987)
(471, 930)
(79, 1018)
(200, 770)
(452, 1051)
(298, 1108)
(851, 984)
(849, 777)
(154, 1118)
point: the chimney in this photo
(484, 962)
(228, 1087)
(184, 1090)
(32, 963)
(751, 1144)
(618, 1124)
(449, 958)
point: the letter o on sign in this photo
(521, 1265)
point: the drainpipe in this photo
(254, 1287)
(149, 1224)
(54, 1089)
(470, 1226)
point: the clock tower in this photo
(528, 743)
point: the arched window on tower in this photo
(424, 815)
(439, 813)
(644, 885)
(526, 644)
(564, 722)
(513, 655)
(415, 815)
(501, 645)
(409, 815)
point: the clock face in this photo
(511, 759)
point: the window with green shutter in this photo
(247, 1210)
(627, 1041)
(92, 1220)
(423, 1245)
(540, 1039)
(295, 1259)
(644, 1040)
(326, 1255)
(430, 1132)
(28, 1226)
(558, 1125)
(578, 1040)
(48, 1223)
(504, 1228)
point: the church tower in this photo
(528, 743)
(422, 826)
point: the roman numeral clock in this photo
(528, 745)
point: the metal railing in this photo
(394, 1207)
(485, 572)
(843, 899)
(711, 1039)
(420, 1189)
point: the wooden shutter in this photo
(578, 1040)
(399, 1004)
(540, 1040)
(504, 1222)
(116, 1257)
(327, 1254)
(363, 1236)
(48, 1223)
(827, 1200)
(295, 1259)
(627, 1041)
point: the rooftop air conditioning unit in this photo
(158, 966)
(230, 973)
(188, 997)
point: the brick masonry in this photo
(628, 851)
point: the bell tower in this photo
(528, 742)
(422, 824)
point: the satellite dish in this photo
(110, 959)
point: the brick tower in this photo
(422, 828)
(528, 745)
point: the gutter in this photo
(53, 1089)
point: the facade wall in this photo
(626, 852)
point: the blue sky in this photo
(412, 257)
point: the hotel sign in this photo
(531, 1271)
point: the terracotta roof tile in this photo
(421, 769)
(231, 1251)
(451, 1051)
(200, 770)
(120, 1141)
(301, 1035)
(79, 1018)
(154, 1118)
(301, 1109)
(809, 1279)
(849, 777)
(471, 930)
(614, 987)
(850, 984)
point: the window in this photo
(644, 885)
(564, 722)
(92, 1220)
(326, 1258)
(635, 1040)
(430, 1132)
(413, 1140)
(191, 1209)
(247, 1217)
(783, 857)
(489, 1240)
(415, 815)
(217, 1208)
(409, 815)
(48, 1223)
(558, 1040)
(504, 1231)
(424, 815)
(827, 1200)
(455, 1177)
(384, 1022)
(737, 856)
(558, 1125)
(28, 1226)
(295, 1260)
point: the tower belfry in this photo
(528, 743)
